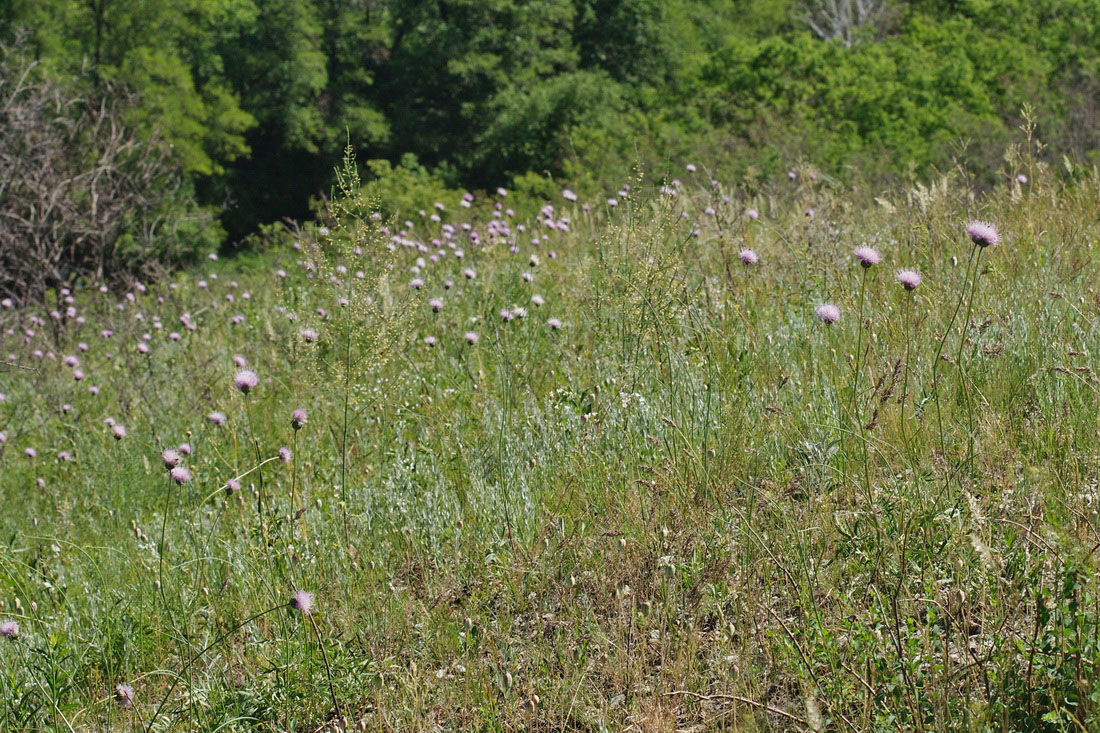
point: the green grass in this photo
(694, 506)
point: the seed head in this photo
(302, 601)
(909, 279)
(983, 234)
(298, 419)
(124, 695)
(828, 313)
(867, 256)
(171, 458)
(246, 380)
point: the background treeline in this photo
(255, 99)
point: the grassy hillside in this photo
(586, 470)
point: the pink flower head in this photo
(218, 418)
(232, 485)
(537, 300)
(9, 629)
(909, 279)
(298, 418)
(118, 431)
(284, 454)
(436, 304)
(302, 601)
(568, 195)
(239, 361)
(430, 340)
(124, 694)
(180, 474)
(416, 283)
(553, 323)
(828, 313)
(748, 257)
(171, 458)
(983, 233)
(471, 338)
(470, 274)
(30, 453)
(867, 256)
(185, 449)
(308, 334)
(245, 380)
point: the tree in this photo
(84, 195)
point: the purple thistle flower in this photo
(909, 279)
(537, 300)
(218, 418)
(245, 380)
(284, 454)
(180, 474)
(568, 195)
(436, 304)
(240, 362)
(124, 694)
(471, 338)
(416, 283)
(308, 334)
(9, 629)
(828, 313)
(983, 233)
(470, 274)
(118, 431)
(171, 458)
(30, 453)
(302, 601)
(553, 323)
(748, 257)
(430, 340)
(298, 418)
(232, 485)
(753, 214)
(185, 449)
(867, 256)
(78, 374)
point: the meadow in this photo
(681, 456)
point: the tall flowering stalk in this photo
(910, 280)
(983, 235)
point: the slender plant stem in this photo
(195, 657)
(324, 657)
(959, 358)
(939, 352)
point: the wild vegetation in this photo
(688, 456)
(252, 101)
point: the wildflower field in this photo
(679, 456)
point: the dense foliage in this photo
(258, 97)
